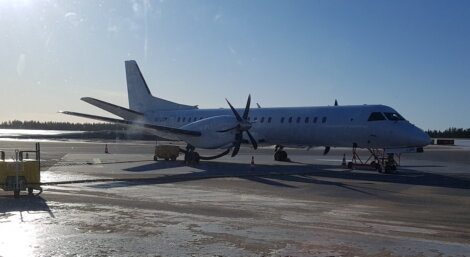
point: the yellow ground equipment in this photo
(20, 174)
(167, 152)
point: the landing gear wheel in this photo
(195, 158)
(379, 168)
(276, 156)
(350, 165)
(391, 169)
(192, 158)
(281, 156)
(373, 164)
(155, 158)
(30, 191)
(173, 158)
(16, 193)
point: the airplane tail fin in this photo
(140, 97)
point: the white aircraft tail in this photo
(140, 97)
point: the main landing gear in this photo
(280, 154)
(191, 156)
(378, 160)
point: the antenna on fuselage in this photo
(259, 106)
(336, 102)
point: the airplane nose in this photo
(422, 138)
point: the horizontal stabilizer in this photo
(122, 112)
(164, 129)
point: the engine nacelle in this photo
(210, 137)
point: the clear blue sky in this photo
(411, 55)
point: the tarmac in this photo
(125, 204)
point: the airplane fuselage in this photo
(335, 126)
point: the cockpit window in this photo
(376, 116)
(393, 116)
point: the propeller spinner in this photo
(243, 125)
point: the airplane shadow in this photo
(286, 175)
(24, 204)
(155, 166)
(422, 166)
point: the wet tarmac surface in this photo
(309, 207)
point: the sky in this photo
(411, 55)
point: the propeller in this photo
(243, 125)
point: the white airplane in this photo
(363, 126)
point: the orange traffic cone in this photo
(252, 167)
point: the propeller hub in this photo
(245, 125)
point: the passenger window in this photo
(376, 116)
(269, 120)
(306, 120)
(184, 118)
(262, 119)
(394, 116)
(315, 120)
(323, 120)
(298, 119)
(282, 120)
(290, 119)
(255, 118)
(179, 118)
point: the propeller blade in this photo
(234, 111)
(227, 130)
(235, 150)
(252, 139)
(238, 142)
(247, 108)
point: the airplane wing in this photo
(170, 130)
(122, 112)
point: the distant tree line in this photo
(450, 133)
(51, 125)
